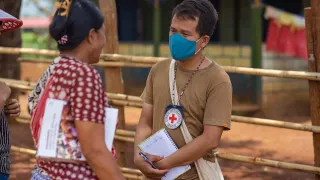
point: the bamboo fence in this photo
(132, 59)
(101, 63)
(230, 69)
(30, 51)
(276, 123)
(134, 101)
(270, 163)
(117, 60)
(228, 156)
(125, 139)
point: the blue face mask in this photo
(182, 48)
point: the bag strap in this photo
(185, 132)
(171, 81)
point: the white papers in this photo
(49, 129)
(110, 126)
(161, 144)
(54, 143)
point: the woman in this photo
(78, 28)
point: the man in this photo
(10, 108)
(204, 94)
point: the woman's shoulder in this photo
(76, 68)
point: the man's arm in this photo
(144, 130)
(194, 150)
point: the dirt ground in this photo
(243, 139)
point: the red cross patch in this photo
(173, 118)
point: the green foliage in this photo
(36, 41)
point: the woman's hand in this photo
(12, 108)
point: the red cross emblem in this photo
(172, 118)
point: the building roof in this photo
(35, 23)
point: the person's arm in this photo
(217, 117)
(94, 149)
(5, 92)
(12, 108)
(144, 130)
(87, 106)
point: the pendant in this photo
(173, 116)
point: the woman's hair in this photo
(72, 22)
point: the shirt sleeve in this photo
(147, 94)
(88, 97)
(219, 106)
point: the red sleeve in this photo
(87, 96)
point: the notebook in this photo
(8, 22)
(58, 136)
(161, 144)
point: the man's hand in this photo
(146, 169)
(12, 108)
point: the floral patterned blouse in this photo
(80, 86)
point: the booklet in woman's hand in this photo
(58, 135)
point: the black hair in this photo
(72, 22)
(202, 9)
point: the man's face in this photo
(186, 28)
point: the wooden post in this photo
(156, 28)
(313, 45)
(256, 49)
(113, 76)
(227, 21)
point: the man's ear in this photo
(205, 41)
(91, 36)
